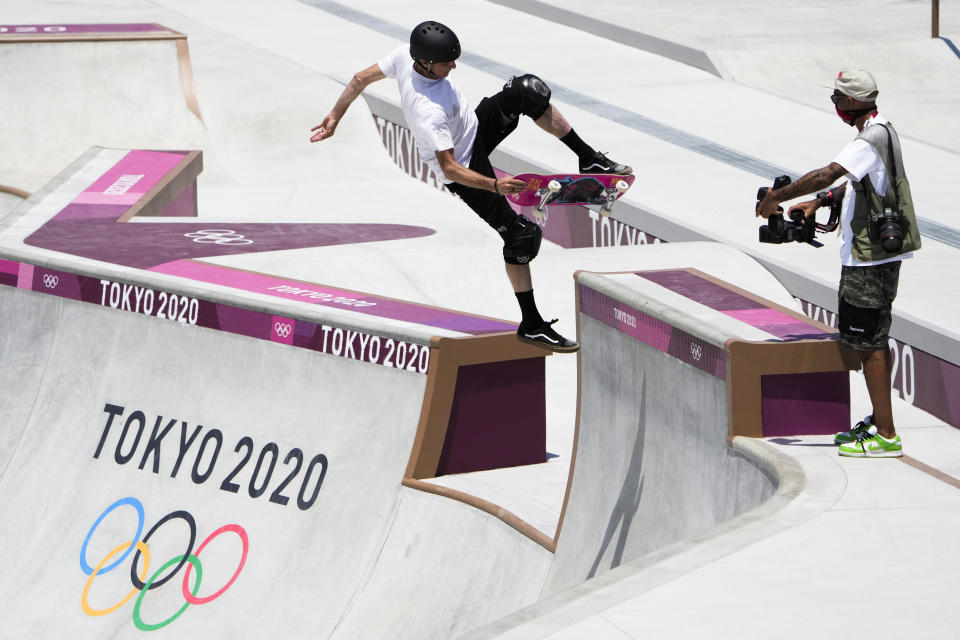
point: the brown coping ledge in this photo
(511, 519)
(20, 193)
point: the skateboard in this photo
(571, 188)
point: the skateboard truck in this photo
(545, 194)
(612, 197)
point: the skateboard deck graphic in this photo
(571, 188)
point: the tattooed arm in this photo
(816, 180)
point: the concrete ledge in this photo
(785, 374)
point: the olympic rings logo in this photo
(190, 558)
(50, 281)
(218, 236)
(696, 351)
(283, 329)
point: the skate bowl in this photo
(184, 433)
(256, 428)
(286, 468)
(674, 366)
(137, 86)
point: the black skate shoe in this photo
(599, 163)
(544, 336)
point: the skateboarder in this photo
(455, 142)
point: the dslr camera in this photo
(779, 230)
(887, 229)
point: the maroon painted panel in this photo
(498, 418)
(805, 403)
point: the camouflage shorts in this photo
(865, 299)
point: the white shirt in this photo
(860, 159)
(435, 110)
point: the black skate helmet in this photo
(434, 42)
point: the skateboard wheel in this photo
(622, 186)
(554, 186)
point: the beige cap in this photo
(859, 84)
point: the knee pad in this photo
(526, 94)
(521, 241)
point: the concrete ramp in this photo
(269, 442)
(130, 429)
(201, 429)
(239, 428)
(126, 85)
(670, 358)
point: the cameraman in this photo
(870, 266)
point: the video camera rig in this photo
(799, 228)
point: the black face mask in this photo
(852, 116)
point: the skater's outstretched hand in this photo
(325, 129)
(354, 88)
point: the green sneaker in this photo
(864, 429)
(875, 446)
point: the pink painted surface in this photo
(257, 282)
(734, 304)
(653, 331)
(331, 297)
(775, 323)
(758, 317)
(128, 180)
(25, 279)
(58, 29)
(7, 266)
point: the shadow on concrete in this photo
(629, 500)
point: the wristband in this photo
(496, 189)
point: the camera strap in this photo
(892, 167)
(893, 164)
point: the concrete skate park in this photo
(258, 387)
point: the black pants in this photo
(491, 131)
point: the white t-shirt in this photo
(860, 159)
(436, 111)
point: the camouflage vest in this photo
(865, 248)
